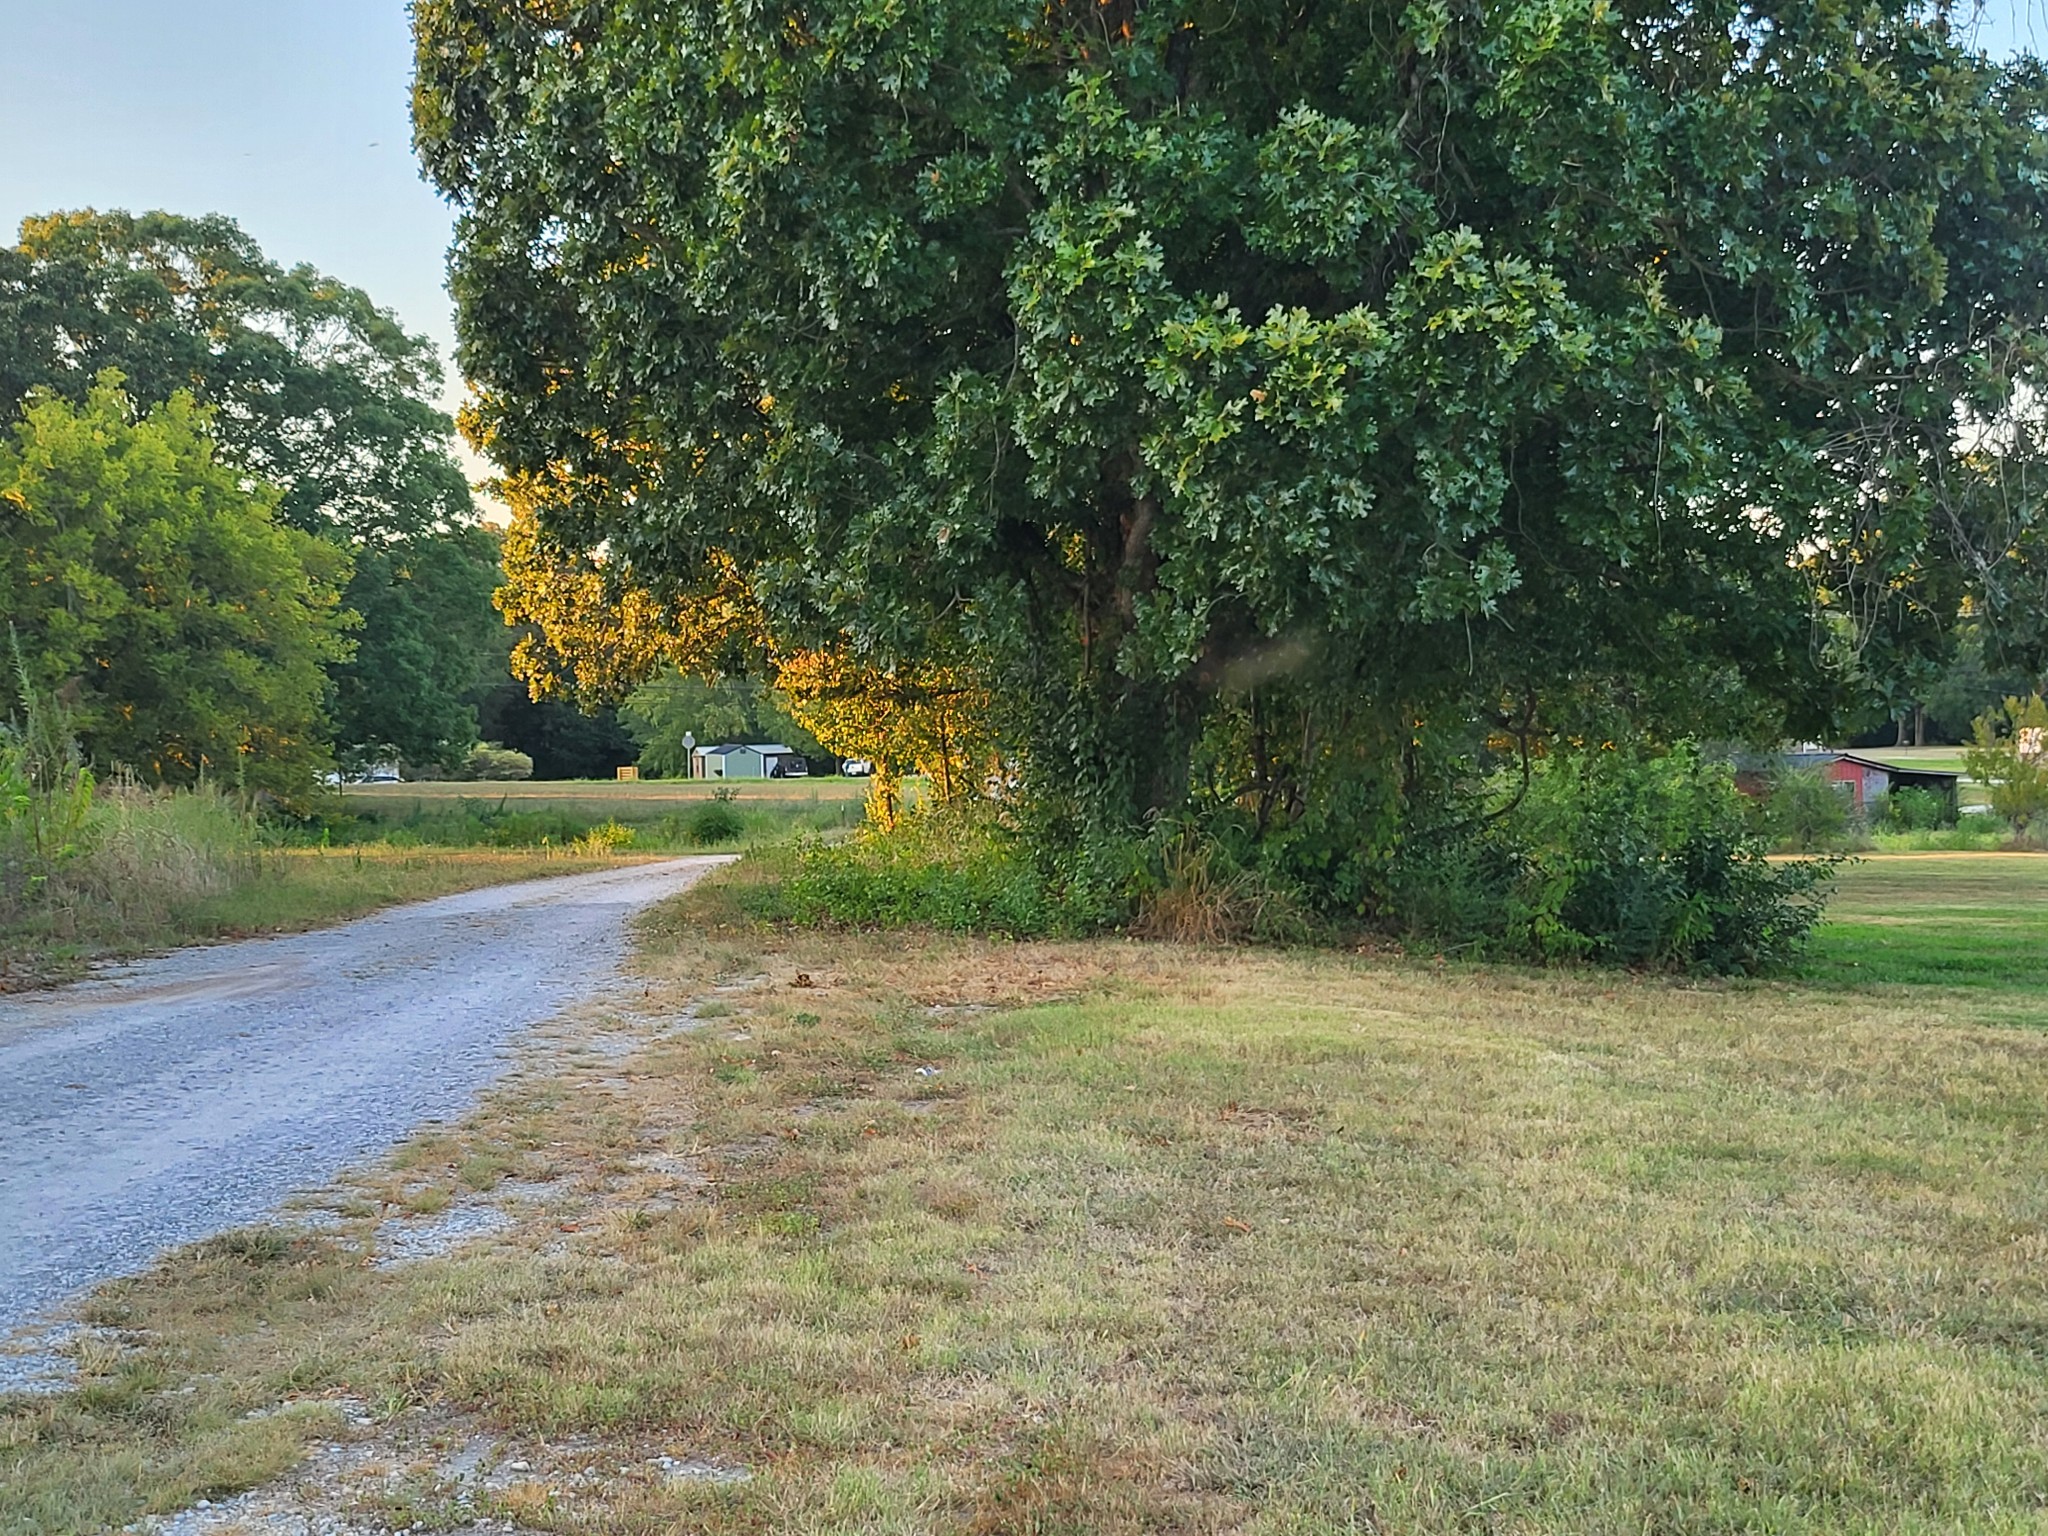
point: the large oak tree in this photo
(1269, 389)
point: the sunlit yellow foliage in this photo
(932, 720)
(591, 632)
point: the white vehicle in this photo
(857, 768)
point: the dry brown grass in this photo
(1200, 902)
(940, 1235)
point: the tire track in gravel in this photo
(195, 1093)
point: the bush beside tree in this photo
(2009, 756)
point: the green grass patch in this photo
(647, 818)
(1974, 921)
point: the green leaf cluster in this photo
(309, 388)
(157, 588)
(724, 709)
(2008, 754)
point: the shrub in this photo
(1912, 810)
(490, 761)
(1619, 857)
(714, 822)
(1805, 811)
(607, 837)
(1616, 857)
(948, 867)
(2009, 756)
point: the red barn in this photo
(1864, 779)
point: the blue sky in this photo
(289, 115)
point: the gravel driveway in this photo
(196, 1092)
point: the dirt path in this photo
(194, 1093)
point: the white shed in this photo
(748, 760)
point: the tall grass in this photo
(132, 865)
(88, 866)
(148, 854)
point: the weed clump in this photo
(712, 823)
(949, 867)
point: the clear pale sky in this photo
(290, 116)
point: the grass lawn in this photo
(942, 1235)
(1977, 921)
(605, 796)
(1929, 759)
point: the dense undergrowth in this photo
(1608, 857)
(84, 863)
(130, 862)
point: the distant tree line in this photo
(232, 527)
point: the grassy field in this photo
(658, 812)
(1942, 760)
(607, 797)
(940, 1235)
(1973, 921)
(1932, 759)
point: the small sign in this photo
(629, 775)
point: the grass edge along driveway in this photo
(931, 1234)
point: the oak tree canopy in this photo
(1266, 399)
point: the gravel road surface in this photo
(194, 1093)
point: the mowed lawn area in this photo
(939, 1235)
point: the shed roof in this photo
(747, 746)
(1813, 757)
(1914, 769)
